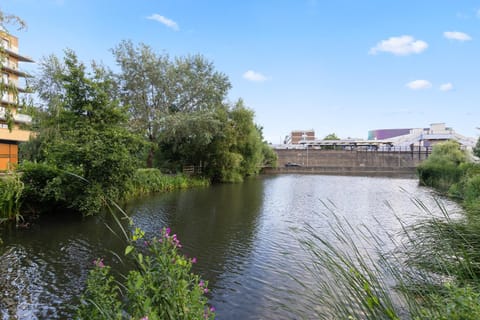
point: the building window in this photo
(5, 43)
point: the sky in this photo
(335, 66)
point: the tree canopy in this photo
(331, 136)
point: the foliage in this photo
(476, 150)
(331, 136)
(146, 181)
(161, 287)
(83, 132)
(442, 168)
(101, 297)
(429, 271)
(11, 189)
(453, 303)
(270, 157)
(155, 86)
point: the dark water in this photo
(242, 235)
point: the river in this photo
(245, 237)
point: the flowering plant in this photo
(161, 287)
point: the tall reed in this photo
(428, 270)
(146, 181)
(11, 188)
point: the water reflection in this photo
(242, 234)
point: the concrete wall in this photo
(348, 162)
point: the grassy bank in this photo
(42, 188)
(147, 181)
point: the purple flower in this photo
(99, 263)
(167, 232)
(144, 318)
(212, 309)
(194, 260)
(205, 290)
(201, 284)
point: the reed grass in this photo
(11, 188)
(147, 181)
(428, 270)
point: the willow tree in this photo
(155, 86)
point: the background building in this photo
(10, 87)
(297, 136)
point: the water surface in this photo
(243, 236)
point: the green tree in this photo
(331, 136)
(84, 132)
(476, 150)
(443, 167)
(156, 86)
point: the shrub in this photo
(161, 287)
(47, 188)
(444, 166)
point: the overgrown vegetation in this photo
(430, 270)
(95, 129)
(160, 287)
(147, 181)
(11, 188)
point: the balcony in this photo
(11, 67)
(17, 117)
(13, 52)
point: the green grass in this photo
(10, 197)
(147, 181)
(429, 270)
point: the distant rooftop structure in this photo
(425, 137)
(297, 136)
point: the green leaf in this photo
(128, 249)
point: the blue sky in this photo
(343, 66)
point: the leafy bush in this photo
(161, 287)
(443, 168)
(453, 303)
(47, 188)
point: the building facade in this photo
(12, 121)
(299, 136)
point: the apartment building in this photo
(10, 88)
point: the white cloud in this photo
(455, 35)
(165, 21)
(254, 76)
(446, 87)
(401, 46)
(419, 85)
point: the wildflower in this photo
(201, 284)
(205, 290)
(167, 232)
(144, 318)
(212, 309)
(99, 263)
(194, 260)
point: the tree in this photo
(156, 86)
(84, 132)
(476, 149)
(331, 136)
